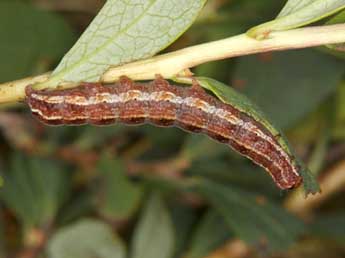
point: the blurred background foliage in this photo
(144, 192)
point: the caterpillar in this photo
(162, 104)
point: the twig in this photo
(172, 64)
(14, 91)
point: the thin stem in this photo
(173, 64)
(14, 91)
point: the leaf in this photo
(34, 189)
(259, 223)
(293, 6)
(31, 39)
(310, 184)
(118, 197)
(242, 103)
(86, 239)
(154, 235)
(210, 233)
(125, 31)
(297, 13)
(339, 18)
(184, 217)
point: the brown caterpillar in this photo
(162, 104)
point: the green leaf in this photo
(260, 223)
(310, 184)
(154, 234)
(86, 239)
(118, 197)
(339, 18)
(31, 40)
(125, 31)
(34, 189)
(210, 233)
(297, 13)
(242, 103)
(292, 6)
(184, 217)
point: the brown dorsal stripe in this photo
(163, 104)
